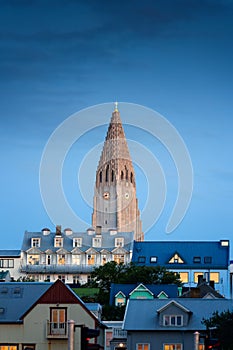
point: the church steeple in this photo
(115, 202)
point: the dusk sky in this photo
(171, 56)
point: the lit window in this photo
(184, 277)
(176, 259)
(76, 259)
(153, 259)
(172, 346)
(119, 258)
(104, 258)
(91, 259)
(35, 242)
(57, 324)
(208, 259)
(143, 346)
(58, 242)
(173, 320)
(224, 243)
(77, 242)
(8, 347)
(61, 259)
(196, 274)
(214, 276)
(96, 242)
(119, 242)
(34, 259)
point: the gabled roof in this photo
(173, 302)
(149, 320)
(18, 298)
(170, 289)
(140, 288)
(187, 250)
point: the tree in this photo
(219, 327)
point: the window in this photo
(57, 321)
(34, 259)
(208, 259)
(119, 258)
(61, 259)
(196, 274)
(172, 346)
(196, 259)
(62, 278)
(119, 242)
(173, 320)
(224, 243)
(58, 242)
(91, 259)
(214, 276)
(153, 259)
(76, 259)
(75, 279)
(48, 259)
(176, 259)
(104, 258)
(96, 242)
(141, 259)
(143, 346)
(35, 242)
(77, 242)
(184, 277)
(7, 263)
(28, 346)
(8, 347)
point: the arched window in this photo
(100, 176)
(127, 174)
(112, 176)
(122, 175)
(107, 173)
(131, 177)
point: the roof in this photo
(148, 311)
(9, 253)
(17, 297)
(47, 241)
(3, 274)
(170, 289)
(187, 250)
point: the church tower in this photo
(115, 201)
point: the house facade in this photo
(72, 256)
(176, 324)
(42, 316)
(191, 259)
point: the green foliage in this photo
(220, 326)
(110, 313)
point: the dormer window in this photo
(119, 242)
(77, 242)
(173, 320)
(96, 242)
(176, 259)
(58, 242)
(35, 242)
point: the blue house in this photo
(165, 324)
(190, 259)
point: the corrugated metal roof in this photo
(10, 253)
(143, 314)
(187, 250)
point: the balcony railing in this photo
(55, 268)
(57, 330)
(119, 333)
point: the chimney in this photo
(211, 283)
(58, 230)
(98, 230)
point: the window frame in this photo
(142, 346)
(77, 242)
(172, 344)
(169, 317)
(35, 242)
(119, 242)
(56, 240)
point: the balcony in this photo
(61, 269)
(57, 330)
(119, 333)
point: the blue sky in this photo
(175, 57)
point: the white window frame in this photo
(35, 242)
(77, 242)
(56, 242)
(96, 242)
(167, 320)
(119, 242)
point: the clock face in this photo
(106, 195)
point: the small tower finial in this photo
(116, 107)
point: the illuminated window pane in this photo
(184, 277)
(196, 274)
(214, 276)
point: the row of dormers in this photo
(68, 231)
(176, 259)
(77, 242)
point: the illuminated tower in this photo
(115, 201)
